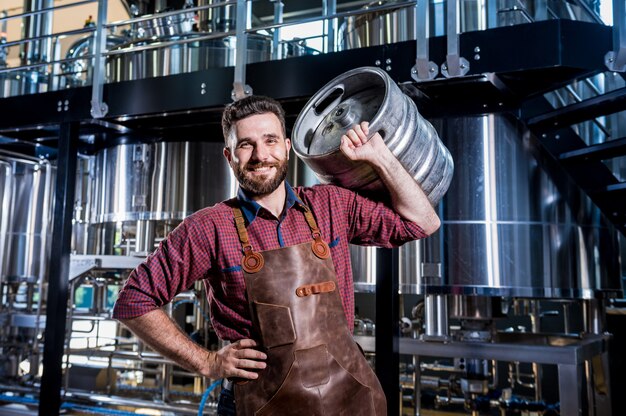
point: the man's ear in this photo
(288, 145)
(227, 154)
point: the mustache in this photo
(260, 165)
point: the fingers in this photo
(365, 126)
(240, 357)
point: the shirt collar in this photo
(251, 208)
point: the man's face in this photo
(258, 154)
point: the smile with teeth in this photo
(260, 169)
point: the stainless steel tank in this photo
(369, 94)
(397, 24)
(377, 28)
(26, 188)
(512, 222)
(142, 191)
(77, 70)
(183, 57)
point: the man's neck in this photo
(274, 202)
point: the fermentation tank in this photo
(513, 224)
(142, 191)
(192, 55)
(26, 187)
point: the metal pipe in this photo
(39, 65)
(172, 13)
(329, 8)
(566, 325)
(123, 401)
(424, 68)
(593, 312)
(43, 258)
(72, 32)
(33, 26)
(5, 215)
(157, 45)
(436, 317)
(240, 89)
(455, 65)
(18, 157)
(99, 108)
(277, 52)
(393, 6)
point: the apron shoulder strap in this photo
(252, 261)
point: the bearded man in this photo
(275, 262)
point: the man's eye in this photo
(244, 144)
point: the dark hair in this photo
(255, 104)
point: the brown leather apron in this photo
(314, 367)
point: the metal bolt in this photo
(413, 71)
(247, 92)
(477, 57)
(462, 66)
(388, 68)
(202, 91)
(67, 102)
(377, 62)
(558, 136)
(388, 61)
(203, 85)
(60, 103)
(477, 49)
(432, 69)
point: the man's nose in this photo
(261, 152)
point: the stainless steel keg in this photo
(369, 94)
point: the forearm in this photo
(239, 359)
(157, 330)
(407, 197)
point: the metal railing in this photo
(50, 70)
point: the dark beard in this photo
(260, 186)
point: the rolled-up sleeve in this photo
(375, 223)
(179, 261)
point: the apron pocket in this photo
(275, 324)
(321, 388)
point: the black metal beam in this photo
(602, 151)
(387, 329)
(58, 276)
(589, 109)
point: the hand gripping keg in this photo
(369, 94)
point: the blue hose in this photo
(18, 399)
(205, 396)
(96, 410)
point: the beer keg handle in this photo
(329, 100)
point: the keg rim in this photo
(326, 90)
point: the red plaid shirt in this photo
(206, 246)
